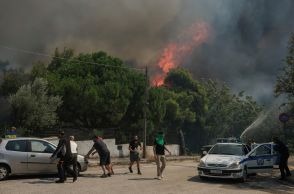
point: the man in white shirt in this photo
(74, 151)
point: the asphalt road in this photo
(179, 177)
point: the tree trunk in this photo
(183, 150)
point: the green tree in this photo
(32, 107)
(13, 79)
(39, 70)
(228, 114)
(97, 90)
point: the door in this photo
(39, 157)
(260, 159)
(17, 156)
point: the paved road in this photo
(180, 177)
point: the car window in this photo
(261, 151)
(16, 145)
(41, 147)
(227, 149)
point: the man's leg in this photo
(138, 166)
(102, 164)
(75, 166)
(288, 173)
(282, 167)
(104, 171)
(69, 170)
(157, 160)
(60, 168)
(163, 161)
(130, 166)
(108, 164)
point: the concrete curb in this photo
(125, 161)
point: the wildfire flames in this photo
(175, 52)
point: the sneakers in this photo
(130, 169)
(139, 172)
(159, 177)
(104, 176)
(109, 174)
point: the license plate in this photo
(216, 171)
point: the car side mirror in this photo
(204, 153)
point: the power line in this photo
(50, 56)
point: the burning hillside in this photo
(175, 52)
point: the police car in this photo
(236, 161)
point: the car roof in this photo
(22, 138)
(229, 143)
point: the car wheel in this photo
(244, 175)
(4, 172)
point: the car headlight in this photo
(234, 165)
(201, 163)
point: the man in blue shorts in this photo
(104, 155)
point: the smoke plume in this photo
(245, 49)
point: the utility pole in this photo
(145, 111)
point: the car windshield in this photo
(227, 149)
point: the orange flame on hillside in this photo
(175, 52)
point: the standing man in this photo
(134, 154)
(63, 152)
(74, 151)
(104, 155)
(283, 151)
(159, 153)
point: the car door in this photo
(17, 156)
(260, 159)
(39, 157)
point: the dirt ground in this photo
(179, 177)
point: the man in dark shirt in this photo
(134, 154)
(104, 155)
(63, 152)
(283, 151)
(159, 154)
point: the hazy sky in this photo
(247, 44)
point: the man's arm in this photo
(94, 153)
(59, 147)
(130, 148)
(167, 150)
(91, 150)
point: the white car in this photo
(233, 160)
(30, 156)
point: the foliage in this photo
(13, 79)
(97, 89)
(32, 107)
(228, 114)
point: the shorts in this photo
(134, 156)
(105, 159)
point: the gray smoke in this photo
(246, 49)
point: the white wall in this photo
(121, 150)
